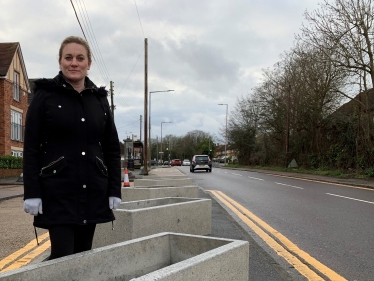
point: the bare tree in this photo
(293, 100)
(343, 31)
(242, 128)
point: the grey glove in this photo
(114, 202)
(33, 206)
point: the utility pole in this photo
(140, 135)
(111, 98)
(145, 166)
(157, 149)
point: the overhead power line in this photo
(78, 19)
(139, 18)
(95, 43)
(88, 33)
(99, 63)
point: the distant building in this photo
(219, 152)
(14, 92)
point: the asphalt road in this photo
(332, 223)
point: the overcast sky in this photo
(208, 52)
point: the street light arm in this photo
(149, 125)
(161, 91)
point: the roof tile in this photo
(7, 51)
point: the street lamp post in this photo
(227, 107)
(210, 150)
(149, 125)
(161, 139)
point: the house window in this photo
(16, 86)
(17, 153)
(16, 125)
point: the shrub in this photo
(10, 162)
(370, 172)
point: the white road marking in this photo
(236, 174)
(350, 198)
(255, 178)
(289, 185)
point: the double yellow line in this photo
(284, 248)
(25, 255)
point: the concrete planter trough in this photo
(165, 181)
(152, 192)
(145, 217)
(163, 257)
(181, 176)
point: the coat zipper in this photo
(50, 164)
(101, 161)
(92, 88)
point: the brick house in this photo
(219, 152)
(14, 92)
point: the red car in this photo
(176, 162)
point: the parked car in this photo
(201, 162)
(166, 162)
(153, 162)
(176, 162)
(186, 162)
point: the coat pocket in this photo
(53, 168)
(100, 164)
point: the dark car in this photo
(201, 162)
(176, 162)
(153, 162)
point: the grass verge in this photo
(330, 173)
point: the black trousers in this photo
(70, 239)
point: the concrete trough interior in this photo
(159, 202)
(165, 181)
(164, 256)
(182, 176)
(152, 192)
(146, 217)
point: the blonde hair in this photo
(77, 40)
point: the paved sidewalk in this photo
(10, 188)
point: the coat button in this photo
(83, 119)
(54, 171)
(84, 186)
(63, 85)
(84, 221)
(59, 106)
(83, 153)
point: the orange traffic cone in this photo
(126, 182)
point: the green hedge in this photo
(10, 162)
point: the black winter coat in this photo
(71, 153)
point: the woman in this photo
(72, 171)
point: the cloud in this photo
(208, 52)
